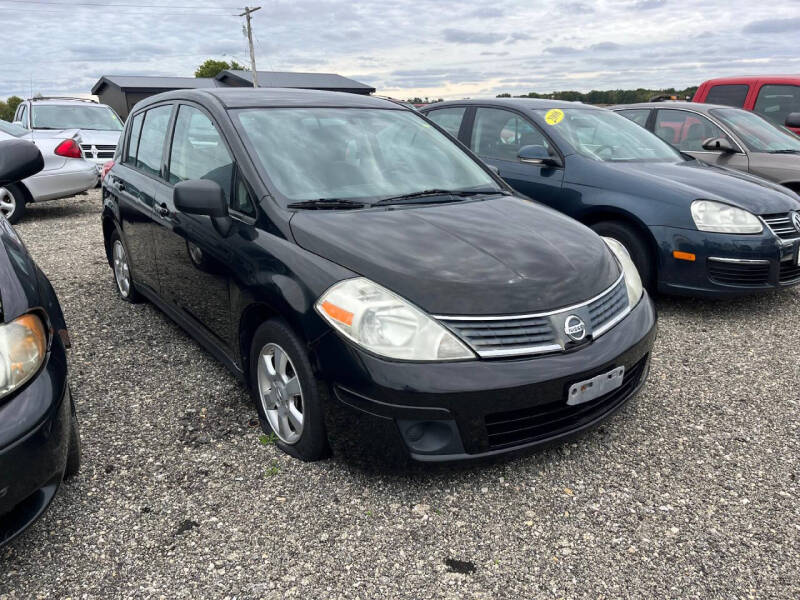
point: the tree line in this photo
(609, 96)
(9, 107)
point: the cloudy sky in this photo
(437, 48)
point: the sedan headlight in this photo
(723, 218)
(633, 282)
(386, 324)
(23, 344)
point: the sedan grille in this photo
(782, 226)
(98, 151)
(537, 423)
(519, 335)
(789, 272)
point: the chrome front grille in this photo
(782, 226)
(98, 151)
(520, 335)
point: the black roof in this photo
(518, 103)
(127, 82)
(234, 97)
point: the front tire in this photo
(286, 392)
(120, 265)
(636, 246)
(12, 202)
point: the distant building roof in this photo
(281, 79)
(153, 83)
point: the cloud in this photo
(648, 4)
(605, 46)
(486, 12)
(490, 53)
(462, 36)
(773, 26)
(561, 50)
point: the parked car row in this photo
(379, 277)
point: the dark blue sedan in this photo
(690, 228)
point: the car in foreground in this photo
(774, 97)
(39, 437)
(690, 228)
(65, 171)
(376, 285)
(723, 136)
(97, 124)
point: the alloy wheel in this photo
(8, 204)
(122, 271)
(280, 393)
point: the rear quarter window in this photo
(729, 95)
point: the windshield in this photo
(11, 129)
(758, 134)
(75, 116)
(357, 154)
(607, 136)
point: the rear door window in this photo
(448, 119)
(150, 151)
(729, 95)
(198, 151)
(637, 115)
(685, 130)
(133, 139)
(775, 102)
(499, 133)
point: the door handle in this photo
(163, 210)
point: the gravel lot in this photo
(691, 491)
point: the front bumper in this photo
(32, 460)
(725, 264)
(473, 409)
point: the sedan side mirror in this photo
(203, 197)
(19, 124)
(18, 159)
(537, 155)
(793, 120)
(718, 144)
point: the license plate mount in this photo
(590, 389)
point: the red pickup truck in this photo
(775, 97)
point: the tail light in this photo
(106, 168)
(69, 149)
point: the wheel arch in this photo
(609, 213)
(792, 185)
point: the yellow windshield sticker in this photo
(554, 116)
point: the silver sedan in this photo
(65, 171)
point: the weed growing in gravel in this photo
(272, 470)
(268, 440)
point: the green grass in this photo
(268, 440)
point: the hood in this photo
(19, 289)
(683, 182)
(492, 257)
(53, 134)
(97, 137)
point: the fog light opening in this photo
(431, 437)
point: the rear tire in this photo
(12, 202)
(636, 246)
(286, 392)
(120, 266)
(74, 452)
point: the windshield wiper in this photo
(786, 151)
(444, 195)
(326, 204)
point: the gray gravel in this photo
(691, 491)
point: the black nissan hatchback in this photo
(39, 438)
(378, 287)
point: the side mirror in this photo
(793, 120)
(718, 144)
(494, 169)
(203, 197)
(19, 124)
(18, 159)
(537, 155)
(200, 197)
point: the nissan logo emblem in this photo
(575, 328)
(796, 220)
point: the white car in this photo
(65, 171)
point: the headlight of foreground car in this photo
(632, 279)
(23, 344)
(723, 218)
(386, 324)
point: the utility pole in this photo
(247, 12)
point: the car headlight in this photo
(386, 324)
(633, 282)
(723, 218)
(23, 344)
